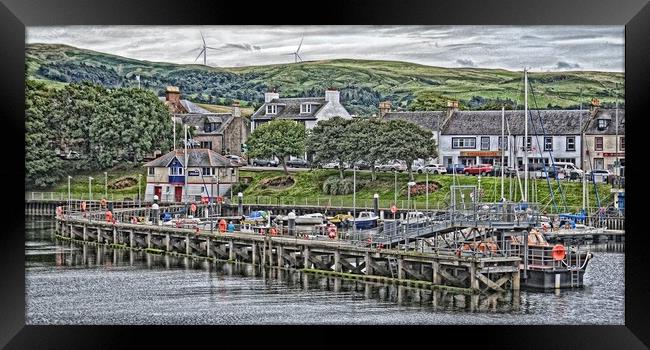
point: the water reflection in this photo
(129, 285)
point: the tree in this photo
(365, 141)
(329, 142)
(278, 138)
(407, 142)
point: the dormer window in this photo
(305, 108)
(271, 109)
(602, 124)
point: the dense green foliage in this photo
(279, 138)
(371, 141)
(337, 186)
(362, 83)
(105, 126)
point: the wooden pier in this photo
(437, 270)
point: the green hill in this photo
(362, 83)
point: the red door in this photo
(178, 193)
(157, 191)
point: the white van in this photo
(568, 168)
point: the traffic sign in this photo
(393, 209)
(219, 199)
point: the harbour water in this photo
(69, 283)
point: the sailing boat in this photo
(546, 266)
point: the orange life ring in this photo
(559, 252)
(193, 208)
(109, 216)
(222, 225)
(273, 231)
(83, 206)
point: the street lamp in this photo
(139, 198)
(69, 197)
(408, 212)
(395, 200)
(106, 185)
(354, 198)
(90, 189)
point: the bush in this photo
(239, 187)
(420, 188)
(333, 185)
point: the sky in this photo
(541, 48)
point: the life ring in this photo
(83, 206)
(193, 208)
(273, 231)
(59, 211)
(109, 216)
(331, 231)
(222, 225)
(103, 202)
(559, 252)
(135, 221)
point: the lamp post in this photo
(408, 211)
(214, 177)
(106, 185)
(90, 189)
(69, 196)
(395, 200)
(354, 198)
(139, 198)
(427, 189)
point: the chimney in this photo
(384, 107)
(333, 95)
(236, 111)
(595, 105)
(173, 94)
(271, 95)
(452, 106)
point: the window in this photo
(305, 108)
(175, 171)
(571, 143)
(548, 143)
(602, 123)
(151, 171)
(503, 144)
(622, 143)
(271, 109)
(529, 142)
(485, 143)
(463, 142)
(206, 144)
(207, 171)
(599, 143)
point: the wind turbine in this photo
(295, 54)
(204, 50)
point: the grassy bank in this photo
(308, 185)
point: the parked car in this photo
(599, 175)
(70, 155)
(264, 162)
(433, 169)
(333, 165)
(568, 169)
(478, 169)
(297, 163)
(391, 166)
(455, 168)
(235, 159)
(361, 165)
(507, 171)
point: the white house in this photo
(306, 110)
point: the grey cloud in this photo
(465, 62)
(566, 65)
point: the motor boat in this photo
(415, 219)
(306, 219)
(365, 220)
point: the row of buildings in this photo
(590, 139)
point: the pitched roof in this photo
(199, 120)
(189, 107)
(554, 122)
(592, 127)
(195, 157)
(290, 108)
(427, 119)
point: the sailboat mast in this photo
(185, 166)
(503, 116)
(525, 135)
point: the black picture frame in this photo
(16, 14)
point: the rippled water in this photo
(69, 283)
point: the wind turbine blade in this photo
(299, 45)
(197, 57)
(213, 48)
(300, 58)
(202, 38)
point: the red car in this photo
(479, 169)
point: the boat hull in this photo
(546, 280)
(365, 224)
